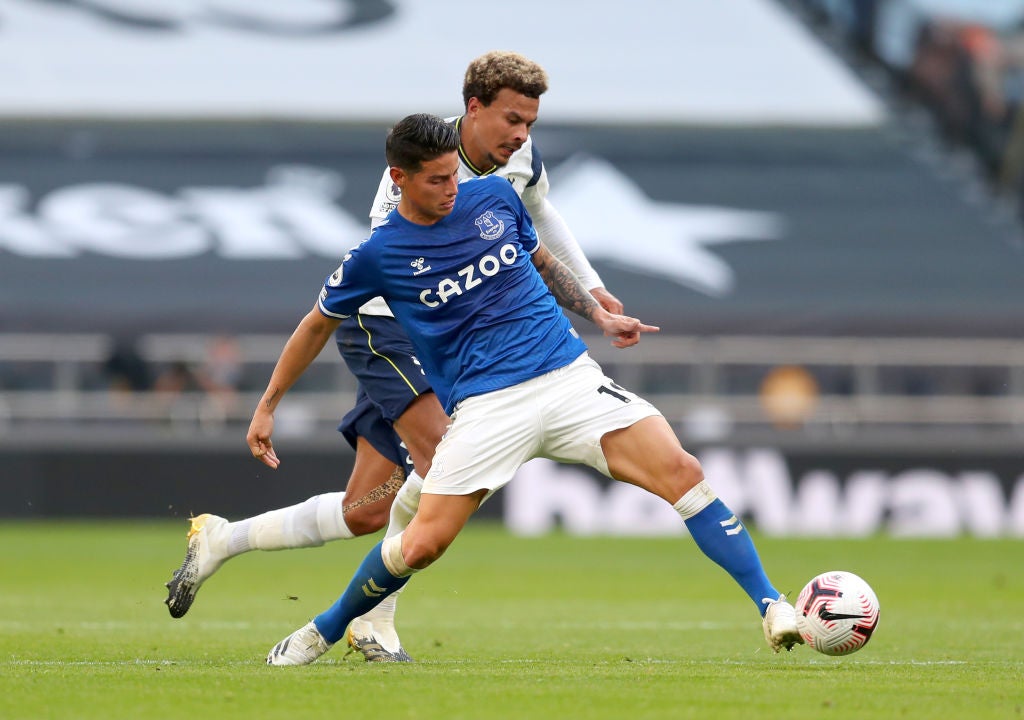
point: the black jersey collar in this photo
(465, 158)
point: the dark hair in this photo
(490, 73)
(416, 139)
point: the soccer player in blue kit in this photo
(397, 421)
(463, 270)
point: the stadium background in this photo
(835, 267)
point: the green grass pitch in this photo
(502, 627)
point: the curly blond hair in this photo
(499, 69)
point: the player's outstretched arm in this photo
(302, 348)
(570, 294)
(563, 284)
(560, 242)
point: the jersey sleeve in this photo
(551, 227)
(354, 282)
(554, 232)
(537, 186)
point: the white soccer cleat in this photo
(207, 550)
(300, 648)
(779, 624)
(377, 640)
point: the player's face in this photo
(499, 129)
(429, 195)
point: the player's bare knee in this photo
(367, 519)
(422, 550)
(686, 470)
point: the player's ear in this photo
(398, 176)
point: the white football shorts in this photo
(561, 415)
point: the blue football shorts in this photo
(365, 421)
(378, 352)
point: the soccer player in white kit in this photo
(501, 94)
(479, 296)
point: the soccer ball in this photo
(836, 613)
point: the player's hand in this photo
(258, 438)
(606, 300)
(624, 330)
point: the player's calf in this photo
(369, 513)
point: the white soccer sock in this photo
(404, 507)
(308, 524)
(384, 614)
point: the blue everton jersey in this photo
(466, 292)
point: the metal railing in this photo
(707, 385)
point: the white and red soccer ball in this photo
(836, 613)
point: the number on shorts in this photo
(607, 390)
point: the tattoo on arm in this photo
(565, 286)
(270, 399)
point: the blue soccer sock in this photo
(371, 583)
(722, 537)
